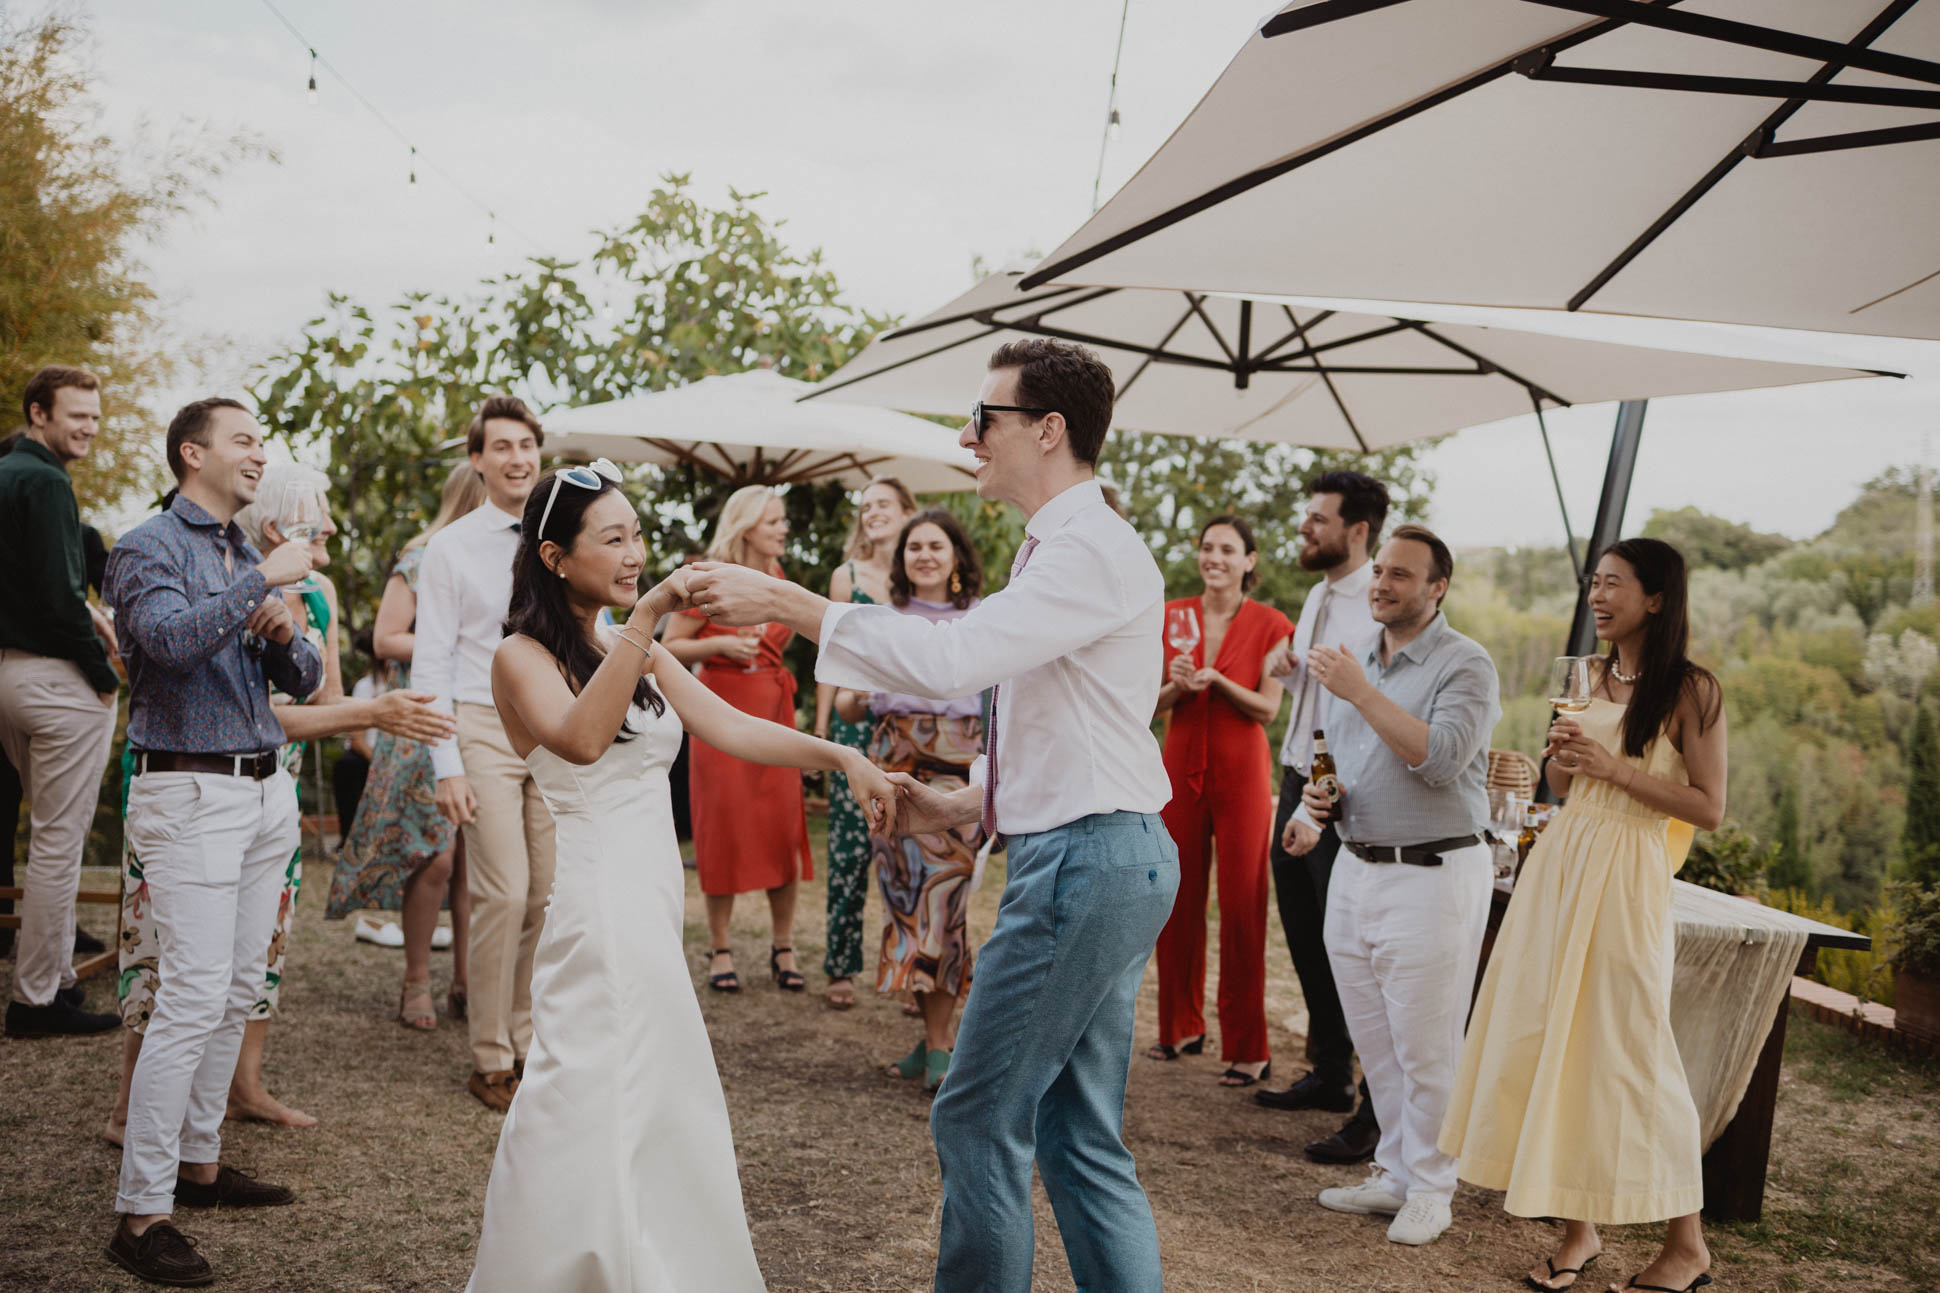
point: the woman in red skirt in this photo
(1216, 753)
(750, 822)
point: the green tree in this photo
(76, 210)
(680, 292)
(1920, 838)
(1707, 540)
(1792, 869)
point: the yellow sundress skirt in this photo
(1571, 1095)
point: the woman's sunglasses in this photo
(587, 477)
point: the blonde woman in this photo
(400, 854)
(750, 822)
(881, 512)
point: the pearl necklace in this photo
(1627, 679)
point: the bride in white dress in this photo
(615, 1168)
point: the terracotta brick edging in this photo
(1866, 1020)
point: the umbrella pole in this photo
(1569, 531)
(1617, 475)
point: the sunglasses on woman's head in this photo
(587, 477)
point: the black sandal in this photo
(786, 980)
(727, 981)
(1161, 1051)
(1692, 1287)
(1235, 1078)
(1555, 1271)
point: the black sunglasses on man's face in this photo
(979, 423)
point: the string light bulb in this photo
(491, 227)
(414, 163)
(1111, 126)
(312, 93)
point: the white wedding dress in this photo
(615, 1169)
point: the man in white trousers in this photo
(1073, 780)
(1408, 721)
(212, 817)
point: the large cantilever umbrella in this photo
(751, 429)
(1767, 162)
(1198, 364)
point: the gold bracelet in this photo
(623, 635)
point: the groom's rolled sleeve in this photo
(1071, 594)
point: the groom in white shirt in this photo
(464, 589)
(1072, 779)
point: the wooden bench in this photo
(94, 964)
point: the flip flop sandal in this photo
(1556, 1272)
(1692, 1287)
(1236, 1077)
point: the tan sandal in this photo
(415, 1009)
(841, 994)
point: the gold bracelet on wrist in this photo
(624, 635)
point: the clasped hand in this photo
(1181, 673)
(733, 595)
(1576, 753)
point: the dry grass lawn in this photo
(840, 1181)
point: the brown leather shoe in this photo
(160, 1254)
(231, 1189)
(494, 1090)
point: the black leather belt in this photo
(257, 766)
(1429, 854)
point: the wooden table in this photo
(1735, 1165)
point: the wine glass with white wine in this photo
(1182, 629)
(304, 523)
(1569, 684)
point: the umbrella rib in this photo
(964, 316)
(1151, 359)
(1341, 404)
(1715, 176)
(990, 315)
(1315, 15)
(1536, 392)
(1299, 330)
(1889, 96)
(1556, 479)
(1707, 27)
(1253, 179)
(824, 387)
(1199, 308)
(1850, 139)
(684, 454)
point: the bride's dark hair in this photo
(1666, 673)
(539, 608)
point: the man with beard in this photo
(1345, 512)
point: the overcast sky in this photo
(901, 138)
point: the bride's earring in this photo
(956, 584)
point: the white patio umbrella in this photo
(750, 428)
(1280, 369)
(1767, 162)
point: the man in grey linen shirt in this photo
(1408, 723)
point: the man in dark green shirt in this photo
(57, 691)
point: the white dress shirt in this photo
(1349, 623)
(1075, 639)
(464, 589)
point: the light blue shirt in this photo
(1449, 682)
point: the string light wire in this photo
(493, 218)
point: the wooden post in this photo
(1734, 1169)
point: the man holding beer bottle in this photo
(1407, 724)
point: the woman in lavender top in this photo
(925, 879)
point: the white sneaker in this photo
(1420, 1221)
(380, 932)
(441, 938)
(1371, 1197)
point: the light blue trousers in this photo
(1041, 1058)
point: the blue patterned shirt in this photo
(182, 585)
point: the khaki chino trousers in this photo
(508, 870)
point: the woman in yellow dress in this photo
(1571, 1095)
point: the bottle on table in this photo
(1526, 840)
(1323, 775)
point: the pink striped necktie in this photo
(990, 740)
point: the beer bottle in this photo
(1323, 774)
(1526, 840)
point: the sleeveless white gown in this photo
(615, 1169)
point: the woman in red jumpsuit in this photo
(1222, 801)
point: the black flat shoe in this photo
(786, 980)
(1556, 1272)
(1692, 1287)
(1238, 1077)
(1161, 1051)
(727, 980)
(1309, 1092)
(1353, 1143)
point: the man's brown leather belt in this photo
(1429, 854)
(258, 766)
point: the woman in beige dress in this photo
(1571, 1095)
